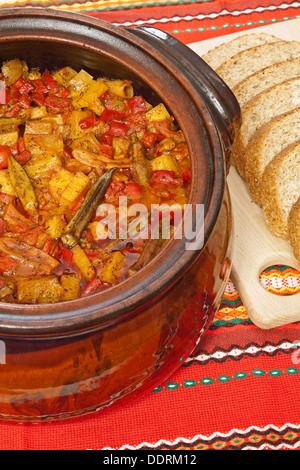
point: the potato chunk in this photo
(84, 265)
(70, 287)
(43, 290)
(59, 182)
(158, 113)
(112, 266)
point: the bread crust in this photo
(249, 61)
(294, 229)
(216, 56)
(270, 136)
(271, 201)
(261, 109)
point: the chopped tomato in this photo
(4, 154)
(133, 190)
(165, 177)
(115, 187)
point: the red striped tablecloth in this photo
(240, 387)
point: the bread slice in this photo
(267, 142)
(247, 62)
(215, 57)
(265, 79)
(294, 229)
(260, 110)
(281, 188)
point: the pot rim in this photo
(132, 295)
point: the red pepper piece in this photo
(59, 90)
(68, 152)
(3, 226)
(93, 286)
(24, 101)
(165, 177)
(23, 85)
(66, 256)
(56, 104)
(107, 150)
(38, 98)
(21, 145)
(118, 128)
(15, 96)
(4, 154)
(106, 139)
(111, 115)
(137, 104)
(149, 138)
(40, 87)
(77, 204)
(48, 80)
(89, 121)
(23, 157)
(186, 176)
(47, 245)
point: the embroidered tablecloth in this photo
(240, 387)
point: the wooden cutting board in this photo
(255, 247)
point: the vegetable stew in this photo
(73, 149)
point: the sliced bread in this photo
(281, 188)
(294, 229)
(215, 57)
(247, 62)
(267, 142)
(260, 110)
(265, 79)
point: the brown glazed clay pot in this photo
(71, 358)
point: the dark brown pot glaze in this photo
(72, 358)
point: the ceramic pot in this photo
(76, 357)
